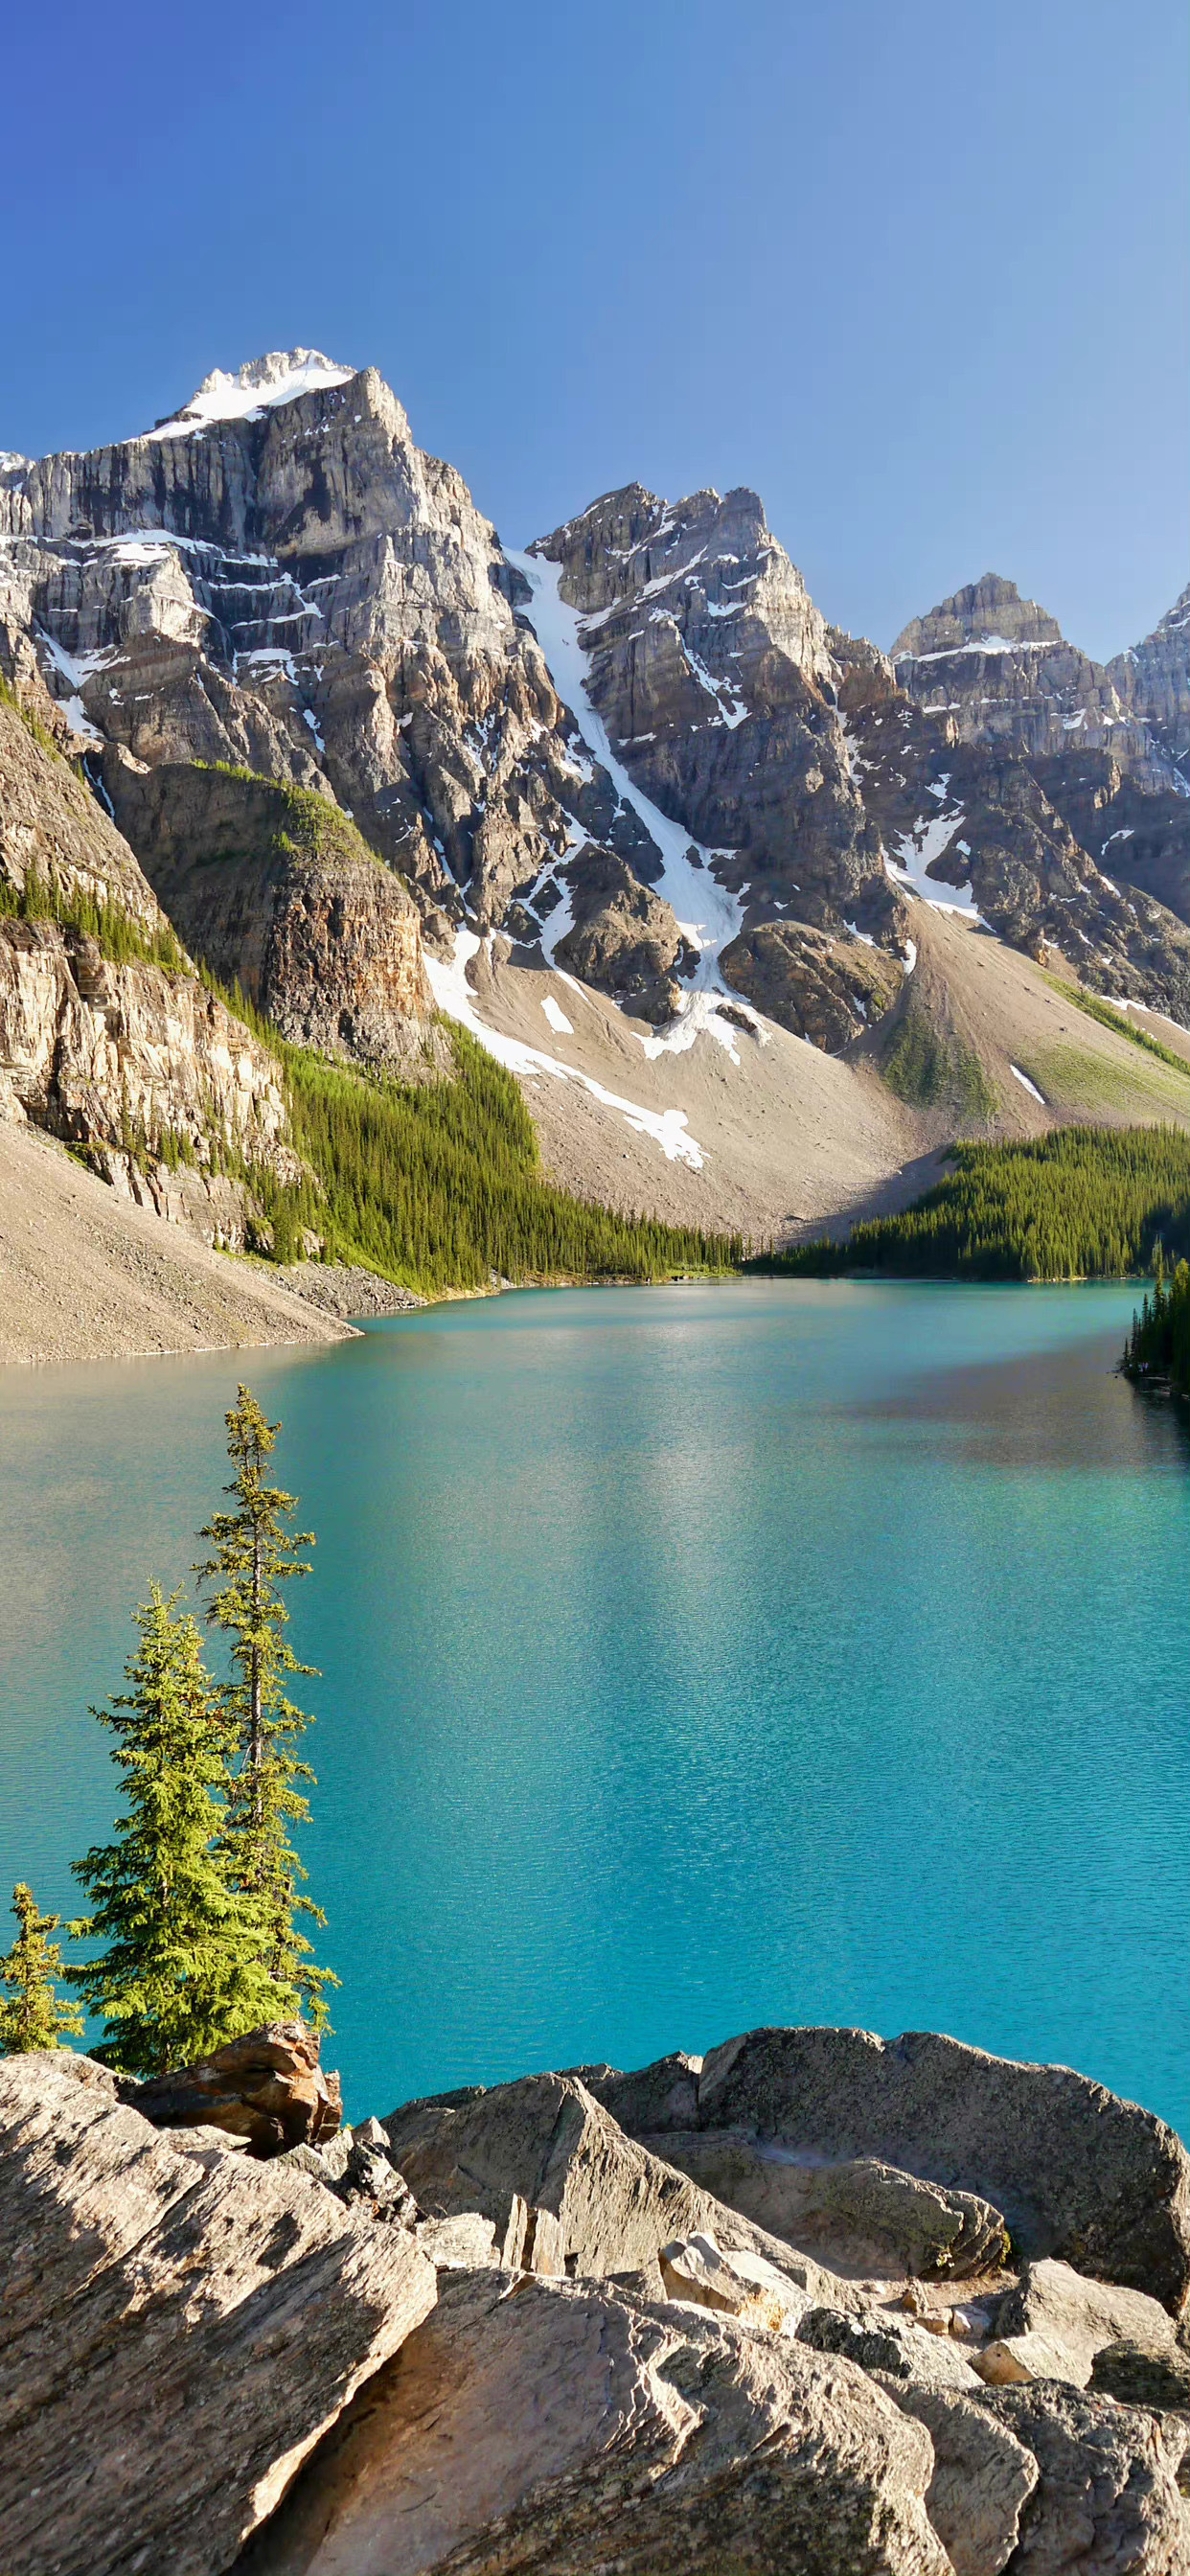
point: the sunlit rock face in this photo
(640, 749)
(1001, 668)
(1153, 680)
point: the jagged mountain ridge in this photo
(637, 756)
(845, 780)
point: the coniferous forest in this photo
(1157, 1351)
(1079, 1203)
(438, 1184)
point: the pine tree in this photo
(254, 1553)
(31, 2014)
(180, 1972)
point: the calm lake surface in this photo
(692, 1658)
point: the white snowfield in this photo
(453, 994)
(1026, 1085)
(915, 852)
(253, 389)
(979, 644)
(706, 913)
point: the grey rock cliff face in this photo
(279, 579)
(710, 667)
(275, 890)
(1153, 679)
(292, 585)
(1000, 668)
(97, 1052)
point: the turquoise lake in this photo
(691, 1658)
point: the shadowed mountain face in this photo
(640, 751)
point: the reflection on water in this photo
(692, 1658)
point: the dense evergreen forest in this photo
(1081, 1203)
(438, 1184)
(1158, 1346)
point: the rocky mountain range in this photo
(372, 763)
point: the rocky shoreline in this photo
(817, 2302)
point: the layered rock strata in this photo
(113, 1051)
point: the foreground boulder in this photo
(1076, 2171)
(1107, 2497)
(982, 2478)
(267, 2089)
(569, 2426)
(1053, 2324)
(567, 2191)
(179, 2329)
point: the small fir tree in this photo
(180, 1971)
(32, 2015)
(254, 1553)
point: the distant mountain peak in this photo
(1176, 619)
(281, 376)
(988, 615)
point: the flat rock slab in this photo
(565, 2427)
(177, 2330)
(1076, 2171)
(860, 2217)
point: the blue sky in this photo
(916, 269)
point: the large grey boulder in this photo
(179, 2330)
(1076, 2171)
(566, 2427)
(567, 2191)
(1054, 2323)
(982, 2477)
(1107, 2501)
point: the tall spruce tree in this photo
(180, 1971)
(32, 2015)
(254, 1554)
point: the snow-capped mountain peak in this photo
(259, 385)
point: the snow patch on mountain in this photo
(281, 377)
(916, 851)
(454, 995)
(707, 914)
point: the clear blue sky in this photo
(919, 270)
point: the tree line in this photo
(438, 1184)
(197, 1903)
(1158, 1345)
(1078, 1203)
